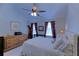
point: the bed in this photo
(44, 46)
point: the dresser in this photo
(13, 41)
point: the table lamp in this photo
(62, 32)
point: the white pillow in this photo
(64, 44)
(57, 43)
(61, 42)
(70, 37)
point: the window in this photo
(49, 30)
(34, 30)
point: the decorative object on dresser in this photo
(13, 41)
(18, 33)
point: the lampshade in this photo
(62, 31)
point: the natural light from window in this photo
(49, 31)
(34, 31)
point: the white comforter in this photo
(40, 46)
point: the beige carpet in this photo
(14, 52)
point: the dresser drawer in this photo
(22, 37)
(14, 41)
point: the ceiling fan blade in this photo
(42, 11)
(26, 9)
(38, 14)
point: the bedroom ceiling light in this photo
(34, 14)
(34, 11)
(62, 31)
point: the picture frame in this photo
(14, 26)
(41, 28)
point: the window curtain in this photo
(53, 29)
(30, 31)
(46, 23)
(36, 29)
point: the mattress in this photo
(40, 46)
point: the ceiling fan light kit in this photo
(33, 14)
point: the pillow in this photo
(61, 42)
(57, 43)
(64, 44)
(70, 37)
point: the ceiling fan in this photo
(34, 11)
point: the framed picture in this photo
(15, 26)
(41, 28)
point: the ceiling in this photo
(52, 9)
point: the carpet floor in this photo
(14, 52)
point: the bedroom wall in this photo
(8, 14)
(73, 19)
(61, 18)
